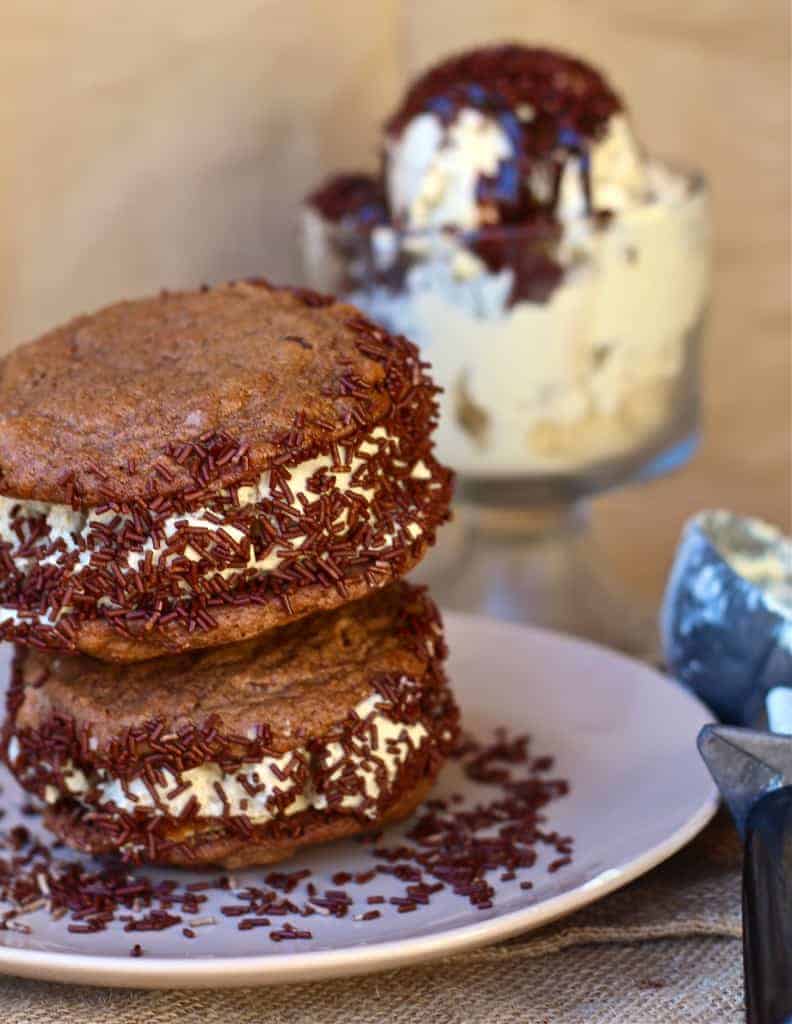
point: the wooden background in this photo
(149, 144)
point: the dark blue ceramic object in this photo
(726, 633)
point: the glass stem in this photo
(537, 565)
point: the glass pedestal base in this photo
(538, 566)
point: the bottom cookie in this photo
(326, 728)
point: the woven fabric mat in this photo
(664, 949)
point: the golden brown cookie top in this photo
(143, 397)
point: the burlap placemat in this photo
(664, 949)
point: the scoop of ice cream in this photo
(509, 134)
(555, 275)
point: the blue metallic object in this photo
(726, 620)
(746, 765)
(767, 910)
(753, 771)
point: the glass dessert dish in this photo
(563, 374)
(557, 280)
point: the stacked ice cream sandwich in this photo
(208, 502)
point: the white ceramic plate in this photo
(624, 736)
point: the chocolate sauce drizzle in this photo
(550, 106)
(358, 196)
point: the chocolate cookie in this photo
(192, 469)
(325, 727)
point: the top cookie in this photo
(191, 469)
(97, 409)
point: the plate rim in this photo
(208, 971)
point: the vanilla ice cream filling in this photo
(260, 790)
(72, 528)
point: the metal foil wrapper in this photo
(726, 632)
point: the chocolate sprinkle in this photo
(458, 847)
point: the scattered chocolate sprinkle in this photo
(460, 847)
(253, 922)
(451, 844)
(290, 932)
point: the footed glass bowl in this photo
(568, 358)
